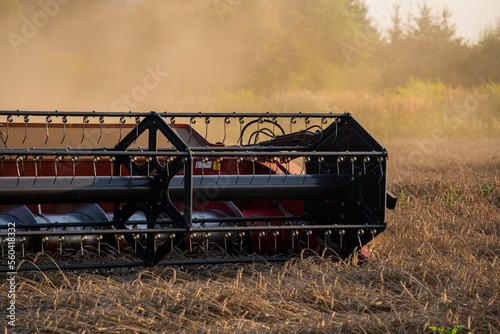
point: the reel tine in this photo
(131, 169)
(26, 120)
(274, 121)
(81, 243)
(191, 237)
(172, 237)
(18, 158)
(48, 120)
(287, 160)
(207, 235)
(373, 232)
(64, 120)
(353, 160)
(360, 233)
(122, 121)
(73, 160)
(35, 160)
(96, 158)
(336, 128)
(227, 120)
(56, 169)
(241, 235)
(61, 239)
(238, 168)
(271, 161)
(99, 239)
(192, 121)
(365, 161)
(111, 163)
(293, 121)
(9, 120)
(101, 121)
(320, 160)
(306, 160)
(167, 166)
(207, 121)
(260, 121)
(219, 162)
(85, 121)
(327, 234)
(137, 121)
(226, 236)
(275, 234)
(203, 160)
(241, 121)
(379, 160)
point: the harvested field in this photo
(437, 264)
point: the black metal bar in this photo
(219, 153)
(188, 190)
(170, 114)
(126, 189)
(199, 230)
(158, 222)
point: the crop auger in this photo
(147, 185)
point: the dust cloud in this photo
(118, 55)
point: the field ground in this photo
(437, 264)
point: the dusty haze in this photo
(91, 55)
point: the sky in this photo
(468, 16)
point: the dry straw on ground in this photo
(437, 264)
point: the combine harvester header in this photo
(148, 184)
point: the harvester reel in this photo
(148, 188)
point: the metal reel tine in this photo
(56, 169)
(293, 120)
(96, 158)
(137, 121)
(111, 164)
(270, 171)
(227, 120)
(287, 160)
(122, 121)
(192, 121)
(35, 160)
(17, 169)
(219, 162)
(380, 159)
(26, 120)
(47, 121)
(85, 121)
(207, 121)
(9, 120)
(64, 120)
(306, 160)
(240, 139)
(101, 121)
(73, 160)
